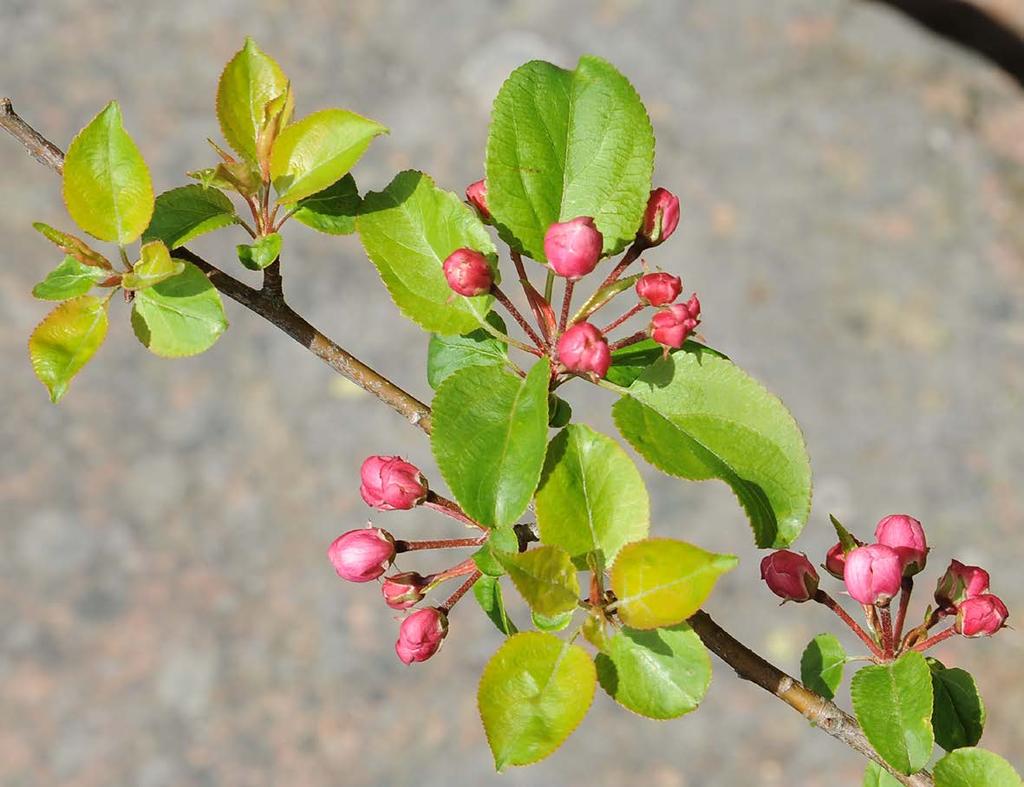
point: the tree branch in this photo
(269, 303)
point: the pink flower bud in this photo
(476, 193)
(573, 247)
(789, 576)
(390, 483)
(670, 327)
(659, 289)
(873, 573)
(959, 583)
(835, 561)
(402, 591)
(468, 272)
(421, 634)
(981, 616)
(904, 534)
(661, 217)
(582, 349)
(362, 555)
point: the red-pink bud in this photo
(670, 327)
(789, 575)
(659, 289)
(421, 634)
(573, 247)
(390, 483)
(835, 561)
(362, 555)
(582, 349)
(402, 591)
(468, 272)
(981, 616)
(873, 573)
(904, 534)
(960, 582)
(661, 217)
(476, 193)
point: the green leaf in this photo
(560, 412)
(106, 183)
(489, 435)
(974, 768)
(591, 496)
(315, 152)
(65, 341)
(661, 582)
(876, 776)
(660, 674)
(180, 316)
(893, 703)
(545, 577)
(249, 81)
(602, 296)
(845, 537)
(74, 247)
(68, 280)
(187, 212)
(821, 665)
(628, 363)
(564, 144)
(698, 416)
(155, 266)
(332, 210)
(552, 622)
(958, 715)
(447, 354)
(487, 591)
(533, 693)
(408, 230)
(501, 539)
(260, 253)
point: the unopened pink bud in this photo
(959, 583)
(468, 273)
(362, 555)
(659, 289)
(661, 217)
(573, 247)
(421, 634)
(789, 575)
(873, 573)
(670, 327)
(835, 561)
(405, 590)
(904, 534)
(981, 616)
(476, 193)
(582, 349)
(389, 483)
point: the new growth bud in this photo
(659, 289)
(468, 272)
(789, 575)
(582, 349)
(958, 584)
(389, 483)
(476, 193)
(421, 634)
(904, 534)
(873, 573)
(661, 217)
(402, 591)
(671, 327)
(362, 555)
(980, 616)
(573, 247)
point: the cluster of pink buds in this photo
(389, 483)
(876, 573)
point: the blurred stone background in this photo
(853, 196)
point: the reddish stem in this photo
(450, 508)
(616, 323)
(935, 640)
(824, 598)
(462, 590)
(467, 566)
(906, 588)
(886, 620)
(519, 318)
(639, 336)
(628, 259)
(439, 543)
(566, 303)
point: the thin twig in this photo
(616, 323)
(566, 303)
(502, 298)
(824, 598)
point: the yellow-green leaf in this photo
(74, 247)
(65, 341)
(249, 81)
(68, 280)
(545, 577)
(180, 316)
(154, 267)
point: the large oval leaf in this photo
(65, 341)
(408, 230)
(660, 674)
(975, 768)
(545, 577)
(187, 212)
(106, 183)
(333, 210)
(447, 354)
(489, 436)
(533, 693)
(564, 144)
(179, 316)
(315, 152)
(698, 416)
(958, 715)
(249, 81)
(591, 496)
(661, 582)
(821, 665)
(893, 703)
